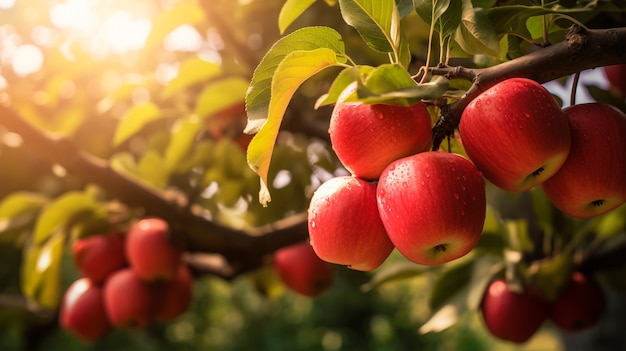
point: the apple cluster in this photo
(302, 271)
(518, 137)
(429, 205)
(127, 281)
(516, 316)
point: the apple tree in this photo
(440, 142)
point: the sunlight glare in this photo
(27, 59)
(6, 4)
(183, 38)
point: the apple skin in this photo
(96, 257)
(128, 300)
(591, 181)
(432, 205)
(82, 311)
(511, 315)
(344, 224)
(616, 76)
(150, 251)
(580, 306)
(302, 271)
(516, 134)
(173, 296)
(367, 137)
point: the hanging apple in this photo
(367, 137)
(96, 257)
(150, 250)
(580, 306)
(516, 134)
(592, 180)
(82, 310)
(432, 205)
(344, 224)
(302, 271)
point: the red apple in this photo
(150, 251)
(580, 306)
(96, 257)
(344, 224)
(82, 310)
(511, 315)
(432, 205)
(128, 300)
(173, 296)
(516, 134)
(367, 137)
(592, 180)
(302, 271)
(616, 75)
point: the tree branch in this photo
(581, 50)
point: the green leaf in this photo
(394, 272)
(183, 137)
(166, 21)
(62, 213)
(431, 10)
(192, 71)
(453, 279)
(152, 169)
(378, 23)
(294, 69)
(475, 35)
(41, 271)
(346, 77)
(291, 10)
(260, 90)
(19, 209)
(221, 94)
(393, 84)
(134, 120)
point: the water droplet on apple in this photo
(527, 114)
(462, 212)
(456, 196)
(379, 115)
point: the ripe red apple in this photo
(128, 300)
(516, 134)
(82, 310)
(96, 257)
(580, 306)
(432, 205)
(302, 271)
(511, 315)
(344, 224)
(592, 180)
(367, 137)
(150, 251)
(173, 296)
(616, 75)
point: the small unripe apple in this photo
(367, 137)
(150, 250)
(511, 315)
(516, 134)
(432, 205)
(82, 310)
(592, 180)
(344, 224)
(580, 306)
(174, 296)
(128, 300)
(616, 76)
(96, 257)
(302, 271)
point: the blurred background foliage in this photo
(157, 88)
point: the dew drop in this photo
(456, 196)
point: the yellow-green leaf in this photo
(221, 94)
(134, 120)
(291, 10)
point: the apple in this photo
(96, 257)
(302, 271)
(174, 296)
(432, 205)
(128, 300)
(511, 315)
(516, 134)
(592, 180)
(367, 137)
(580, 306)
(616, 76)
(150, 250)
(344, 225)
(82, 310)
